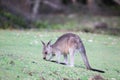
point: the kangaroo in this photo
(66, 44)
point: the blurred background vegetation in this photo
(95, 16)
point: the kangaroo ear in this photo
(43, 43)
(49, 42)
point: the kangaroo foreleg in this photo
(66, 59)
(51, 56)
(58, 54)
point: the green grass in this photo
(21, 57)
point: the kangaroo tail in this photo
(85, 59)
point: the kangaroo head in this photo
(46, 49)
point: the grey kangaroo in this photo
(66, 44)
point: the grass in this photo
(21, 57)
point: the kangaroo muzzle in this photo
(44, 58)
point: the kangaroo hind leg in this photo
(71, 52)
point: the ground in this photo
(21, 56)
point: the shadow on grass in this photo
(62, 63)
(92, 69)
(56, 62)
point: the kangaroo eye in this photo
(45, 52)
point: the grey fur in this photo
(66, 44)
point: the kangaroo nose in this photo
(44, 58)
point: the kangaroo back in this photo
(66, 41)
